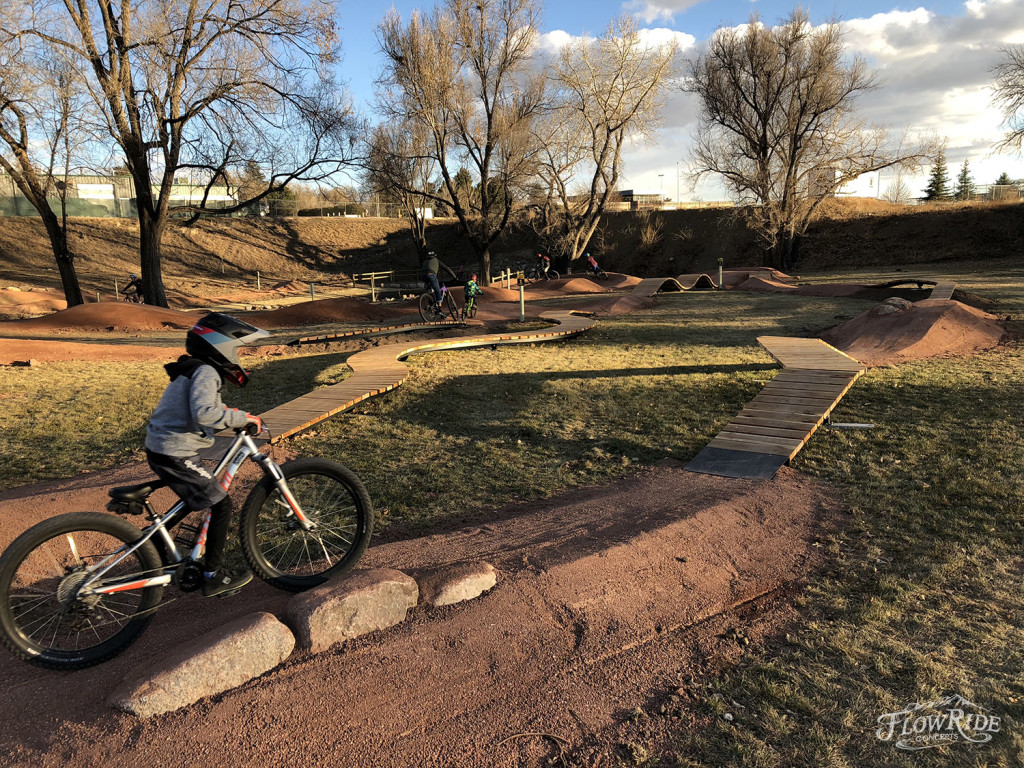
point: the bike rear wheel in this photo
(426, 306)
(288, 557)
(43, 619)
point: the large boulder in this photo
(456, 583)
(218, 661)
(349, 606)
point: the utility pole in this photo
(677, 185)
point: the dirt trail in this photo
(606, 596)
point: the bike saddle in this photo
(138, 492)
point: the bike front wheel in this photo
(451, 307)
(286, 555)
(47, 619)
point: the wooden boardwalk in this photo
(776, 424)
(943, 290)
(379, 370)
(383, 330)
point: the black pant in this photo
(199, 489)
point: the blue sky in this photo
(933, 59)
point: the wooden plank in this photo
(812, 402)
(736, 445)
(796, 416)
(734, 428)
(798, 388)
(814, 378)
(780, 423)
(790, 443)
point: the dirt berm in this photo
(608, 597)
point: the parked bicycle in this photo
(432, 312)
(77, 589)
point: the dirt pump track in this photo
(607, 598)
(604, 596)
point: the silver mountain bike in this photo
(78, 588)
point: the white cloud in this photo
(934, 79)
(553, 42)
(653, 10)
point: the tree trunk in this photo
(150, 236)
(65, 261)
(485, 266)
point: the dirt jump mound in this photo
(19, 302)
(765, 284)
(106, 316)
(338, 310)
(898, 331)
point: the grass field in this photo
(921, 597)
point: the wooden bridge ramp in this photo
(380, 369)
(776, 424)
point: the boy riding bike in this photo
(472, 290)
(184, 422)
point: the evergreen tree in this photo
(1004, 179)
(964, 183)
(938, 179)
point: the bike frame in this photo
(242, 447)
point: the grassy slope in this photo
(665, 243)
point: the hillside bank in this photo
(215, 252)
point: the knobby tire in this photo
(41, 620)
(284, 555)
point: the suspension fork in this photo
(271, 469)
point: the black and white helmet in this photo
(215, 340)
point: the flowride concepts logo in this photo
(950, 720)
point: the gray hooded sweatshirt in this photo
(190, 411)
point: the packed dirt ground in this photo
(611, 601)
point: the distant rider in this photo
(472, 290)
(543, 264)
(134, 288)
(591, 263)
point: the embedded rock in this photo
(456, 583)
(218, 661)
(349, 606)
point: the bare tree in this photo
(42, 124)
(205, 88)
(462, 76)
(400, 168)
(1009, 93)
(898, 193)
(777, 122)
(605, 92)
